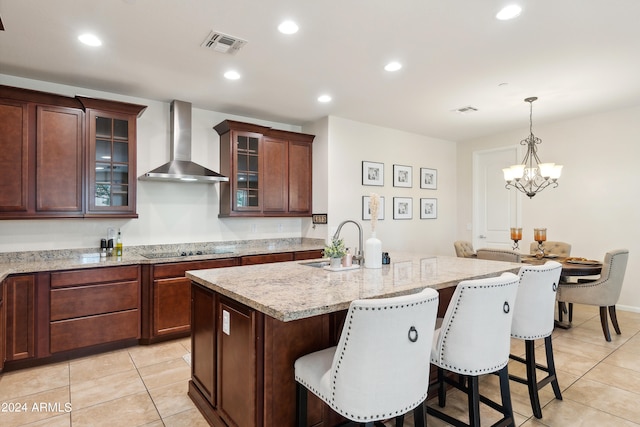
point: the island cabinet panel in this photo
(167, 298)
(239, 336)
(94, 306)
(242, 362)
(203, 342)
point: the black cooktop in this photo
(177, 254)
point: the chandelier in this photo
(531, 176)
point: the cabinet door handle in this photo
(482, 236)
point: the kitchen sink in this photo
(317, 264)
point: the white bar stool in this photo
(377, 371)
(474, 339)
(533, 318)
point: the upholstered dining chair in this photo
(474, 339)
(464, 249)
(498, 254)
(562, 249)
(378, 369)
(603, 292)
(533, 318)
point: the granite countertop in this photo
(55, 260)
(291, 290)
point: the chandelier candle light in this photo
(529, 177)
(540, 236)
(516, 236)
(373, 246)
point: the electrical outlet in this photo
(226, 322)
(280, 228)
(254, 228)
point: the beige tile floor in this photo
(147, 385)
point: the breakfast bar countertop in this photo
(292, 290)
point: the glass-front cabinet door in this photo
(246, 196)
(111, 162)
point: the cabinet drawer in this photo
(87, 331)
(94, 275)
(265, 259)
(177, 269)
(81, 301)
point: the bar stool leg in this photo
(505, 395)
(301, 405)
(551, 366)
(474, 402)
(532, 381)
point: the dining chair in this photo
(498, 254)
(562, 249)
(464, 249)
(378, 369)
(474, 339)
(603, 292)
(533, 318)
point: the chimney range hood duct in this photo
(180, 168)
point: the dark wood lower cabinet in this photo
(94, 306)
(242, 363)
(21, 317)
(2, 327)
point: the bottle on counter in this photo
(119, 244)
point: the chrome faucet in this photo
(358, 257)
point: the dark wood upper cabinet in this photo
(269, 171)
(66, 157)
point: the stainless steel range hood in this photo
(180, 168)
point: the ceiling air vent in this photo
(223, 43)
(467, 109)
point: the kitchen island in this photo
(250, 323)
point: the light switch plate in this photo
(226, 322)
(319, 218)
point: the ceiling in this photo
(576, 56)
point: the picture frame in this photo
(428, 267)
(402, 208)
(428, 208)
(402, 176)
(429, 178)
(372, 173)
(366, 211)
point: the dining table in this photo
(571, 267)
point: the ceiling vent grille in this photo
(467, 109)
(223, 43)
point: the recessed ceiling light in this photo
(324, 98)
(509, 12)
(288, 27)
(232, 75)
(393, 66)
(90, 39)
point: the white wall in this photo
(349, 143)
(596, 206)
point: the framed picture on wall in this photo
(372, 173)
(402, 208)
(428, 178)
(402, 176)
(366, 208)
(428, 208)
